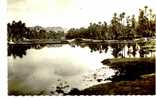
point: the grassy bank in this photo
(130, 68)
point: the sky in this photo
(71, 13)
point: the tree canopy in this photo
(121, 27)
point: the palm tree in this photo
(150, 10)
(133, 26)
(99, 28)
(122, 15)
(145, 8)
(115, 14)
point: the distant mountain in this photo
(56, 29)
(38, 28)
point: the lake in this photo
(45, 68)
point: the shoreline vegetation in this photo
(80, 40)
(121, 27)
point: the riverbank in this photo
(135, 76)
(29, 42)
(80, 40)
(145, 86)
(130, 68)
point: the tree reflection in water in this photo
(17, 50)
(118, 49)
(20, 50)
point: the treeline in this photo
(121, 27)
(17, 31)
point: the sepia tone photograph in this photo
(81, 47)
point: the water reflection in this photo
(122, 50)
(38, 70)
(20, 50)
(118, 49)
(16, 50)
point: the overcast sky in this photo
(71, 13)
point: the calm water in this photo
(42, 68)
